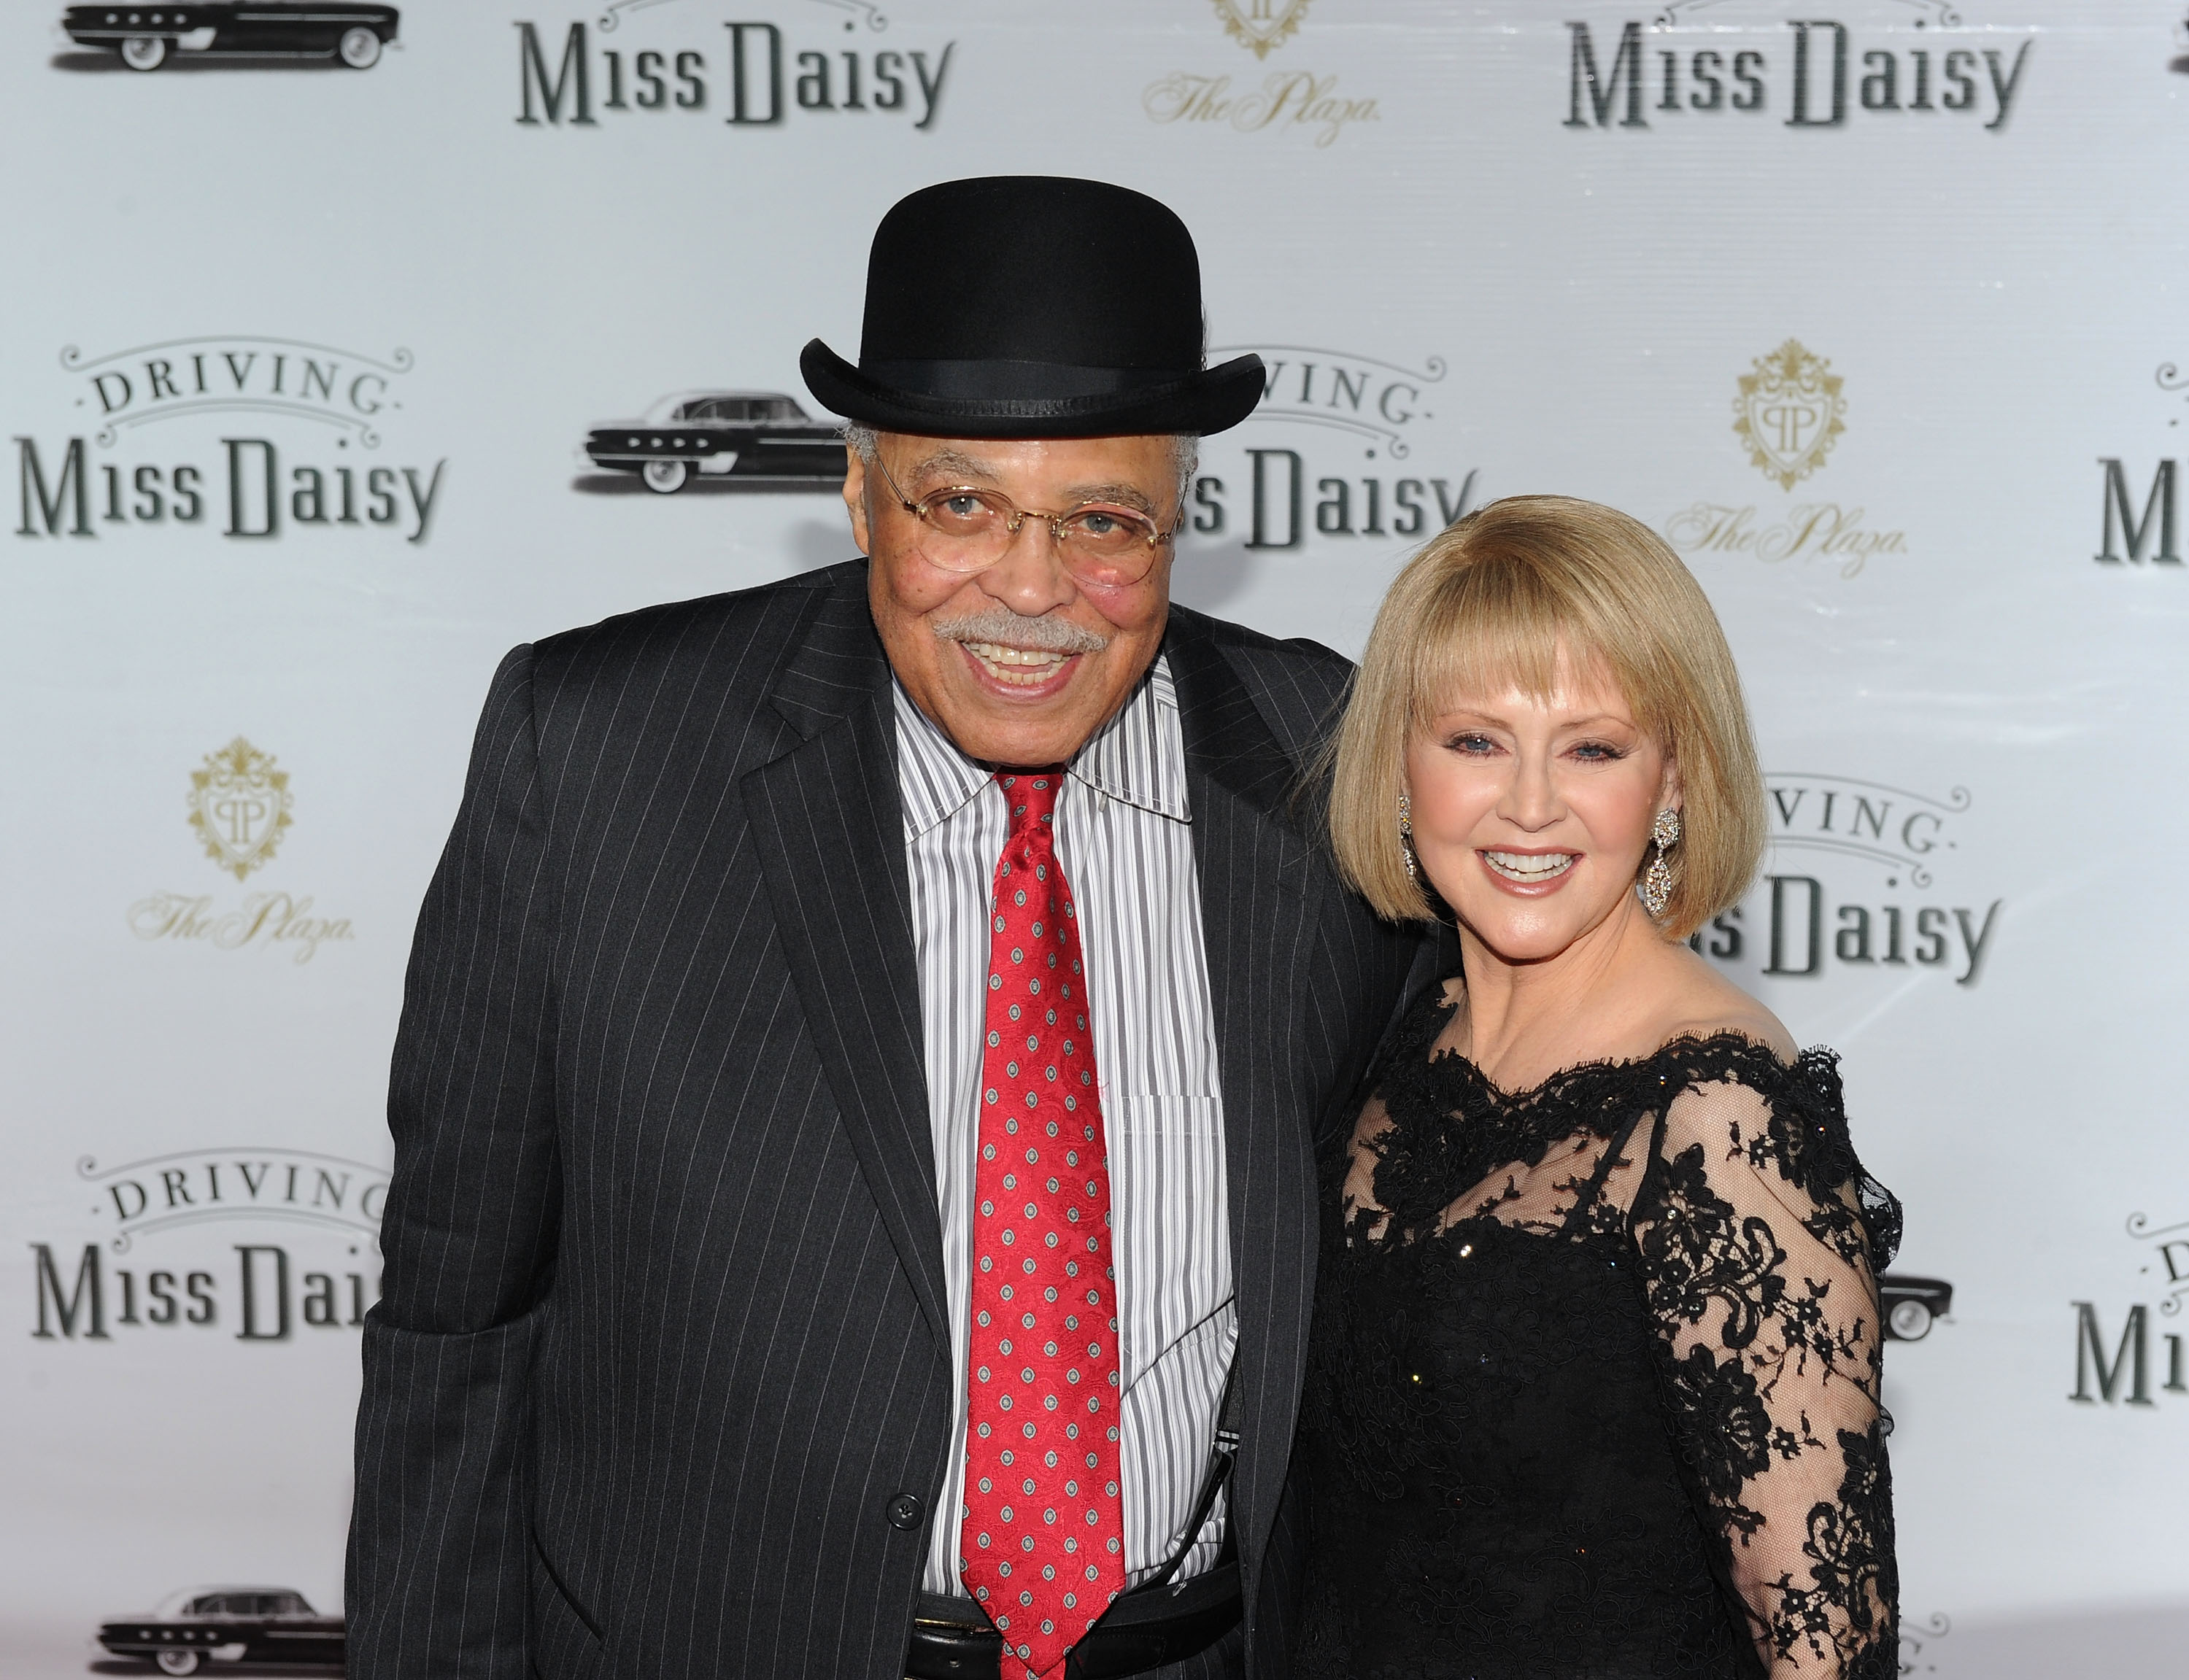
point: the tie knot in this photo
(1030, 800)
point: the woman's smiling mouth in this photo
(1528, 869)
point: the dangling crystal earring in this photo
(1407, 836)
(1657, 879)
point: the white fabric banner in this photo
(305, 339)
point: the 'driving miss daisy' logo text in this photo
(256, 1245)
(254, 437)
(2128, 536)
(1848, 891)
(1330, 453)
(1789, 410)
(2145, 1361)
(1707, 63)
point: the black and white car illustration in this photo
(759, 436)
(1911, 1304)
(146, 36)
(220, 1627)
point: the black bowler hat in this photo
(1032, 306)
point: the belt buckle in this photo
(958, 1646)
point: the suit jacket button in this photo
(904, 1511)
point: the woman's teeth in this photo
(1527, 869)
(1024, 666)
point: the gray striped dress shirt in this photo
(1124, 837)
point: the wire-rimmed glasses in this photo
(966, 528)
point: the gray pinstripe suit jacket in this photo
(662, 1339)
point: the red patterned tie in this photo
(1043, 1545)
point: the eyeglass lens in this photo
(969, 529)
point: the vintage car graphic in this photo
(759, 436)
(213, 1626)
(1911, 1304)
(146, 35)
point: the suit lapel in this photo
(829, 831)
(1259, 924)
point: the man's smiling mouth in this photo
(1014, 651)
(1020, 667)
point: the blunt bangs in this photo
(1502, 625)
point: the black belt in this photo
(1146, 1628)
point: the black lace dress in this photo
(1594, 1386)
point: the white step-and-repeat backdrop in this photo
(1874, 308)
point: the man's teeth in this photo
(1525, 868)
(1027, 665)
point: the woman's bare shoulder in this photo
(1699, 1002)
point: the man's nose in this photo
(1031, 578)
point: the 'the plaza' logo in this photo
(1295, 482)
(243, 475)
(1789, 412)
(1790, 409)
(239, 805)
(1261, 24)
(1683, 68)
(1293, 99)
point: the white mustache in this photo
(1007, 629)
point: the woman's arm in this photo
(1756, 1262)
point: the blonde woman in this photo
(1594, 1382)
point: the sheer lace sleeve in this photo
(1760, 1239)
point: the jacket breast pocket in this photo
(566, 1643)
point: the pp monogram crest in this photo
(240, 806)
(1789, 411)
(1261, 24)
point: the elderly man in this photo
(864, 1051)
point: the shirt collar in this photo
(1139, 756)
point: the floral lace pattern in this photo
(1594, 1383)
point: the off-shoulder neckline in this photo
(1733, 1051)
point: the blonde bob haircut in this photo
(1491, 604)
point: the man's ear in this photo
(855, 498)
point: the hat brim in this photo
(1210, 400)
